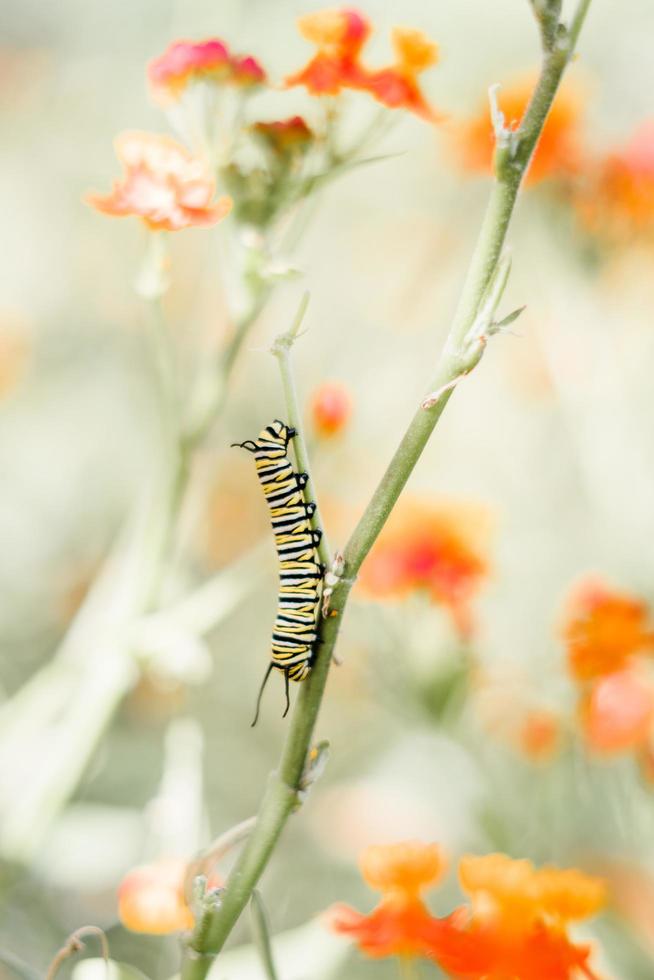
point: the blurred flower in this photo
(617, 203)
(539, 735)
(339, 36)
(330, 408)
(286, 139)
(558, 152)
(400, 925)
(14, 351)
(164, 185)
(246, 72)
(514, 927)
(517, 923)
(604, 629)
(151, 898)
(617, 712)
(185, 62)
(397, 86)
(505, 706)
(436, 547)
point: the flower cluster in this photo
(170, 187)
(516, 923)
(609, 637)
(340, 36)
(186, 62)
(437, 548)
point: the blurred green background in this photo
(552, 433)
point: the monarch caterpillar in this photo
(295, 633)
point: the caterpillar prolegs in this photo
(295, 633)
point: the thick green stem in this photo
(283, 792)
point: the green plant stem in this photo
(282, 797)
(281, 349)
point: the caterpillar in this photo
(295, 633)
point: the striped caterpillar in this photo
(295, 633)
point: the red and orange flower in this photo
(330, 409)
(164, 185)
(559, 150)
(617, 204)
(185, 62)
(340, 36)
(397, 86)
(603, 629)
(609, 637)
(439, 548)
(401, 925)
(516, 924)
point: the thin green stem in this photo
(261, 934)
(282, 794)
(281, 349)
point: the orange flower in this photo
(164, 185)
(558, 153)
(401, 924)
(151, 898)
(539, 736)
(185, 62)
(617, 712)
(339, 36)
(397, 87)
(331, 408)
(516, 925)
(619, 200)
(603, 630)
(435, 547)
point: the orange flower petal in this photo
(618, 712)
(151, 898)
(404, 869)
(397, 87)
(603, 629)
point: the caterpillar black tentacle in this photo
(295, 633)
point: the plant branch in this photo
(74, 945)
(283, 793)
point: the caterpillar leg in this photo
(263, 684)
(302, 480)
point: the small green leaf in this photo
(261, 934)
(510, 318)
